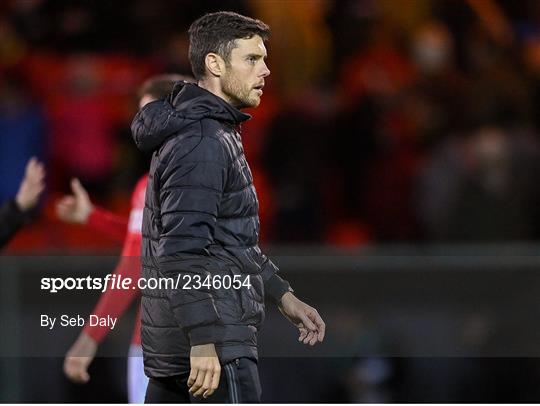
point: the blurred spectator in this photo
(301, 47)
(292, 157)
(435, 103)
(82, 138)
(375, 154)
(12, 47)
(22, 131)
(483, 188)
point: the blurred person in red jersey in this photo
(16, 212)
(78, 208)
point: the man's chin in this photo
(248, 105)
(254, 102)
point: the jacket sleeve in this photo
(191, 184)
(108, 223)
(11, 220)
(274, 285)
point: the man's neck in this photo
(214, 88)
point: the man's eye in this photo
(252, 59)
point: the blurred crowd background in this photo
(382, 121)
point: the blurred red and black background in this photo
(384, 123)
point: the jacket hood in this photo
(187, 103)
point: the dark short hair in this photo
(217, 33)
(160, 86)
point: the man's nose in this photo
(265, 72)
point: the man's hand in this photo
(79, 357)
(77, 207)
(31, 186)
(306, 318)
(205, 370)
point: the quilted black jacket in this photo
(200, 220)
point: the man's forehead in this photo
(253, 45)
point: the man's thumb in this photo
(77, 188)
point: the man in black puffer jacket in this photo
(201, 226)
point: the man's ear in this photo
(214, 64)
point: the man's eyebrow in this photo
(258, 56)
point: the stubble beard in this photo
(238, 93)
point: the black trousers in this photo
(239, 383)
